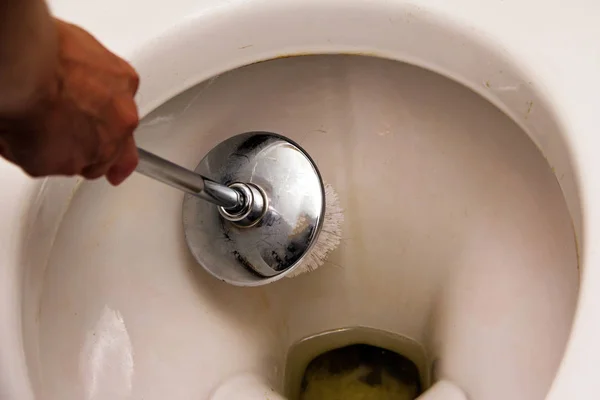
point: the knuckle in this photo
(130, 75)
(126, 114)
(131, 122)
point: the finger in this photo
(122, 119)
(101, 167)
(95, 171)
(125, 164)
(5, 151)
(123, 113)
(109, 154)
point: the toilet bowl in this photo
(461, 161)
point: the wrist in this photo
(28, 54)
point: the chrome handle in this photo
(165, 171)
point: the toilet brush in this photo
(273, 214)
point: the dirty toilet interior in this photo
(457, 238)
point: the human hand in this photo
(83, 118)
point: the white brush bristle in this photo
(329, 237)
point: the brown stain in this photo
(264, 300)
(529, 109)
(577, 250)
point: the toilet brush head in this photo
(287, 221)
(329, 237)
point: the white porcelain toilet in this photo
(461, 141)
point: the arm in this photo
(27, 51)
(66, 102)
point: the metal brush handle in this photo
(180, 178)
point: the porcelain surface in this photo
(508, 51)
(456, 235)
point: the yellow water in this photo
(356, 364)
(360, 372)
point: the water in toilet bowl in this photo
(360, 372)
(356, 363)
